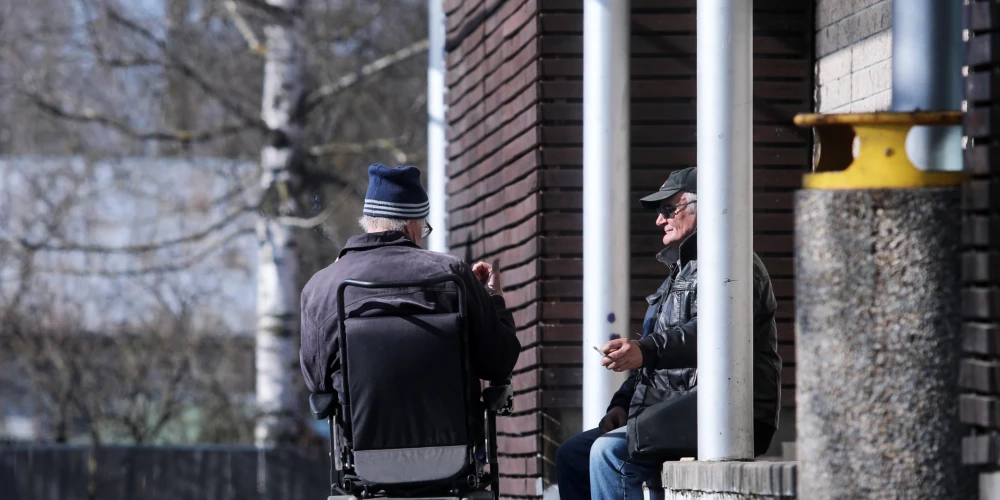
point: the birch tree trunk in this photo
(277, 297)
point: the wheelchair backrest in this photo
(407, 383)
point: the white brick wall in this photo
(854, 55)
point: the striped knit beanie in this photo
(395, 193)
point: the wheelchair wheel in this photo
(348, 487)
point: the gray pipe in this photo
(927, 76)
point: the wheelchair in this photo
(403, 432)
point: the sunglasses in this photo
(668, 211)
(426, 231)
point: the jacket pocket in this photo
(676, 308)
(687, 303)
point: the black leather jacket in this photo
(670, 336)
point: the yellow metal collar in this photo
(881, 162)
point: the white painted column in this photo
(436, 143)
(725, 229)
(606, 181)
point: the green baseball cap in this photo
(685, 179)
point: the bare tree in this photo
(342, 82)
(127, 386)
(122, 345)
(277, 297)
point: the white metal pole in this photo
(436, 143)
(725, 229)
(927, 76)
(606, 189)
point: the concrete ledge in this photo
(729, 480)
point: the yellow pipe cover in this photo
(882, 162)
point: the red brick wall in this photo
(980, 369)
(494, 191)
(515, 166)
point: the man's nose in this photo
(661, 220)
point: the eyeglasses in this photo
(668, 211)
(426, 230)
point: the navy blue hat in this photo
(395, 193)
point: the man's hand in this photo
(621, 355)
(614, 419)
(489, 275)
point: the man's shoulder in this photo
(321, 280)
(414, 262)
(426, 262)
(444, 258)
(759, 269)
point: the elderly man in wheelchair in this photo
(395, 342)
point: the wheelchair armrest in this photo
(322, 405)
(499, 397)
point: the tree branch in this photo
(309, 223)
(326, 177)
(91, 116)
(361, 147)
(265, 8)
(166, 268)
(244, 28)
(348, 81)
(346, 32)
(146, 247)
(130, 62)
(318, 218)
(187, 70)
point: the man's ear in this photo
(413, 229)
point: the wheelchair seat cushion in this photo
(411, 465)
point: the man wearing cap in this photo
(653, 416)
(394, 222)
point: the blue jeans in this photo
(592, 465)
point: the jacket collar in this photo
(687, 252)
(367, 241)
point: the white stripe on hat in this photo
(397, 206)
(379, 211)
(390, 215)
(369, 201)
(399, 211)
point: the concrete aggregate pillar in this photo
(877, 343)
(878, 317)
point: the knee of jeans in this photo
(602, 452)
(561, 456)
(565, 454)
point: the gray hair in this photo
(690, 198)
(377, 224)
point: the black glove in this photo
(614, 419)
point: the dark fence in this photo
(148, 473)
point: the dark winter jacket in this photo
(391, 256)
(670, 337)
